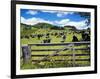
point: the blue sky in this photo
(58, 18)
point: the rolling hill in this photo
(46, 25)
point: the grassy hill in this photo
(45, 28)
(43, 25)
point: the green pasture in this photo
(54, 39)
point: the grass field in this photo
(53, 63)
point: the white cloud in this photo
(58, 13)
(62, 14)
(31, 12)
(78, 25)
(46, 11)
(63, 22)
(33, 21)
(22, 19)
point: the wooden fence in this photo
(26, 52)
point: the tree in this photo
(86, 15)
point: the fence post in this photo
(73, 55)
(26, 54)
